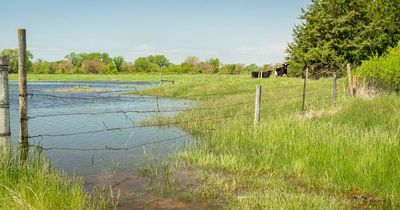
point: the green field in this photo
(323, 158)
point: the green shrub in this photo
(383, 71)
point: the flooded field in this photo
(90, 143)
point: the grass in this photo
(324, 158)
(35, 185)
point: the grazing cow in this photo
(281, 71)
(264, 74)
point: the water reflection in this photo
(43, 100)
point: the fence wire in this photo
(138, 111)
(111, 148)
(107, 129)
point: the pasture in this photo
(324, 158)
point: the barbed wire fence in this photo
(314, 96)
(132, 95)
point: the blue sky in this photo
(236, 31)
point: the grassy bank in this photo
(35, 185)
(324, 158)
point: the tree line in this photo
(336, 32)
(103, 63)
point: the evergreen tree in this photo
(336, 32)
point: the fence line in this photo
(135, 126)
(108, 147)
(136, 111)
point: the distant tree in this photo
(75, 59)
(193, 62)
(64, 67)
(206, 67)
(118, 62)
(253, 67)
(42, 67)
(215, 63)
(12, 55)
(93, 66)
(160, 60)
(232, 68)
(142, 64)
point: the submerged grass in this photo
(324, 158)
(35, 185)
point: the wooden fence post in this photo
(5, 133)
(23, 103)
(303, 106)
(257, 112)
(350, 80)
(334, 89)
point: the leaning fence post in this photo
(5, 133)
(334, 89)
(350, 80)
(257, 112)
(23, 103)
(303, 106)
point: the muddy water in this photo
(85, 154)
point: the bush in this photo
(383, 71)
(93, 67)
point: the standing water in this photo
(86, 143)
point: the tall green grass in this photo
(35, 185)
(324, 158)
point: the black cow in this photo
(264, 74)
(281, 71)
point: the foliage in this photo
(103, 63)
(94, 66)
(12, 55)
(35, 185)
(232, 68)
(142, 64)
(336, 32)
(383, 71)
(118, 63)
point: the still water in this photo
(44, 101)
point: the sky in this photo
(235, 31)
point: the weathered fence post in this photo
(350, 80)
(257, 112)
(5, 133)
(334, 89)
(23, 103)
(303, 106)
